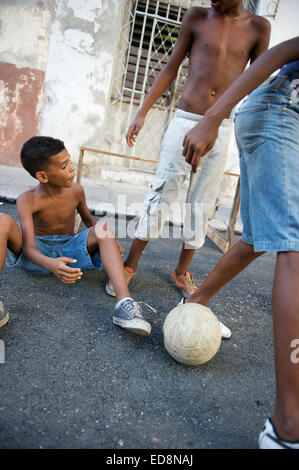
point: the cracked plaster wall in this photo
(56, 59)
(285, 24)
(80, 62)
(24, 32)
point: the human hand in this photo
(199, 140)
(134, 130)
(65, 273)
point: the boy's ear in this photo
(41, 176)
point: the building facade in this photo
(79, 71)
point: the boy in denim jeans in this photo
(267, 134)
(46, 242)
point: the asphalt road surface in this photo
(73, 380)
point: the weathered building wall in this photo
(78, 75)
(24, 29)
(21, 91)
(56, 61)
(284, 21)
(56, 58)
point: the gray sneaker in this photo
(4, 316)
(128, 315)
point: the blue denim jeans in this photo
(56, 246)
(267, 135)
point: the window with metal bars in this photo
(251, 5)
(153, 36)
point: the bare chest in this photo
(214, 41)
(55, 216)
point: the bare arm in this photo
(25, 211)
(164, 78)
(82, 208)
(202, 137)
(85, 214)
(56, 265)
(263, 29)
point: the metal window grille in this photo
(271, 8)
(142, 66)
(147, 35)
(251, 5)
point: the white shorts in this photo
(171, 173)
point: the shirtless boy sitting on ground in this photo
(220, 41)
(46, 242)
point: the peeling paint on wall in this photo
(20, 96)
(25, 33)
(79, 68)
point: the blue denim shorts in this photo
(56, 246)
(267, 135)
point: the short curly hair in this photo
(37, 151)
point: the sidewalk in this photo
(105, 196)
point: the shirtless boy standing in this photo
(219, 41)
(46, 241)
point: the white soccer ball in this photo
(192, 334)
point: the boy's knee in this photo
(248, 250)
(103, 230)
(6, 222)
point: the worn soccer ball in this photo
(192, 334)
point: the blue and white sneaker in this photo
(268, 439)
(127, 314)
(225, 332)
(4, 316)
